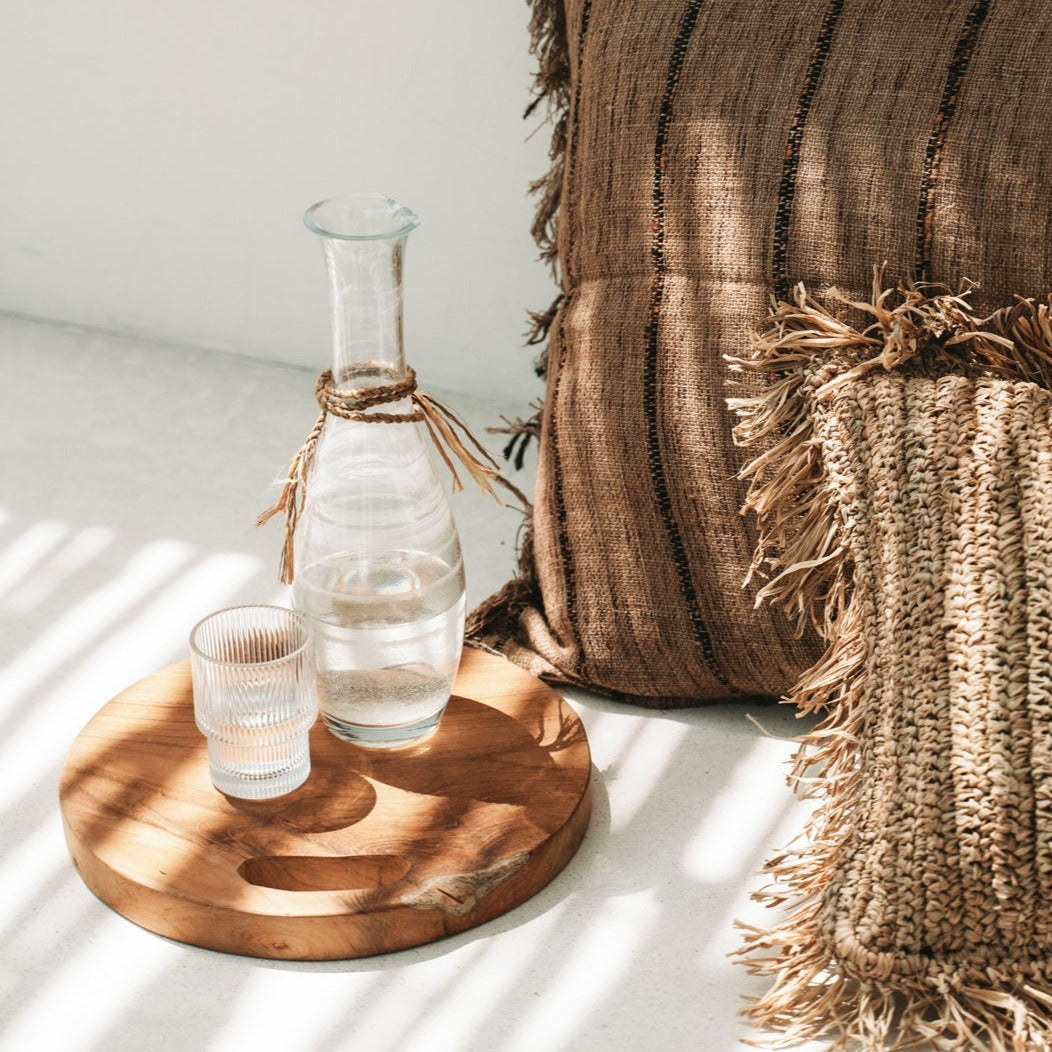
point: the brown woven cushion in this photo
(715, 153)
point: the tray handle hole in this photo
(323, 872)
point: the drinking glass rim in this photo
(293, 615)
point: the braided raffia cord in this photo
(903, 490)
(354, 403)
(359, 404)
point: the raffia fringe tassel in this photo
(847, 961)
(443, 425)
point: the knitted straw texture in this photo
(704, 156)
(907, 513)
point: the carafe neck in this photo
(363, 238)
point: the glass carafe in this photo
(378, 562)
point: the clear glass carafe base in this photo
(391, 737)
(388, 630)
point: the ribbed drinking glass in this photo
(255, 698)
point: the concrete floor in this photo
(131, 477)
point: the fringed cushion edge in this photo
(494, 621)
(804, 355)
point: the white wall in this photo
(156, 157)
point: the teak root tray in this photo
(377, 851)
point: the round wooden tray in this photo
(377, 851)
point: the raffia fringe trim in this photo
(550, 47)
(805, 354)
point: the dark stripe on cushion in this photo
(791, 163)
(962, 55)
(650, 374)
(558, 482)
